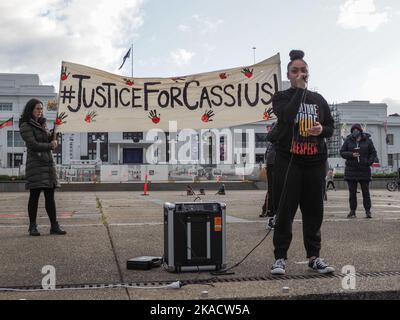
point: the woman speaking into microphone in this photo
(40, 169)
(304, 121)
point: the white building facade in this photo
(15, 91)
(220, 149)
(384, 129)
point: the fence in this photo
(155, 173)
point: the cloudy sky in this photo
(351, 46)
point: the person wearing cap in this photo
(359, 152)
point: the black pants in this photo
(268, 206)
(50, 204)
(330, 183)
(353, 194)
(305, 187)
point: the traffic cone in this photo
(145, 187)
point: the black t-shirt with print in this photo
(300, 109)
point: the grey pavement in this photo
(127, 225)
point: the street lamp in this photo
(254, 54)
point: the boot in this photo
(55, 229)
(352, 214)
(263, 214)
(368, 214)
(33, 231)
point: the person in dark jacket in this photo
(304, 121)
(268, 206)
(359, 152)
(40, 170)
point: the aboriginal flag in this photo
(7, 123)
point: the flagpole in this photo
(132, 59)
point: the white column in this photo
(119, 154)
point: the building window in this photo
(17, 160)
(18, 142)
(135, 136)
(390, 139)
(5, 106)
(57, 153)
(390, 160)
(260, 158)
(261, 140)
(222, 149)
(244, 140)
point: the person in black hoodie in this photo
(40, 170)
(359, 152)
(268, 206)
(304, 121)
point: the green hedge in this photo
(8, 178)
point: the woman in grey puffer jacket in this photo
(40, 168)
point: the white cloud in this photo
(181, 57)
(183, 28)
(37, 35)
(206, 25)
(356, 14)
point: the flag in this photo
(128, 54)
(7, 123)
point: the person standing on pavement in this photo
(268, 206)
(40, 169)
(304, 121)
(330, 179)
(359, 152)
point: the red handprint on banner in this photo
(129, 82)
(64, 75)
(90, 116)
(154, 117)
(60, 118)
(207, 116)
(247, 72)
(268, 114)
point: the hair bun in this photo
(296, 54)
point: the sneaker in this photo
(352, 214)
(368, 214)
(319, 266)
(271, 223)
(278, 268)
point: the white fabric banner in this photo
(92, 100)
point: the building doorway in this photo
(133, 156)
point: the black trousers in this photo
(50, 204)
(304, 187)
(330, 183)
(353, 194)
(268, 206)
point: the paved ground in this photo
(101, 239)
